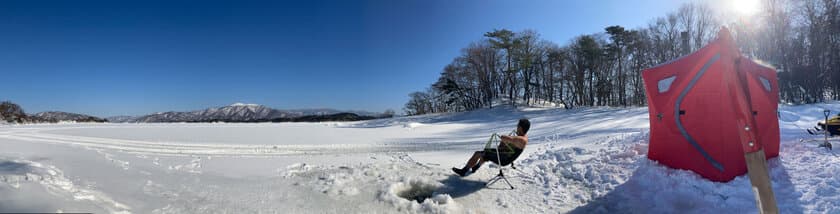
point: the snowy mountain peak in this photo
(238, 112)
(244, 104)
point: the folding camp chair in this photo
(501, 176)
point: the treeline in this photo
(13, 113)
(604, 68)
(801, 38)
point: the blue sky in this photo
(108, 58)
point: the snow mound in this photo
(419, 195)
(17, 174)
(339, 183)
(575, 175)
(296, 168)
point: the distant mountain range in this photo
(237, 112)
(240, 112)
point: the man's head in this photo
(522, 127)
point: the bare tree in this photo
(798, 37)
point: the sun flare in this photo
(746, 7)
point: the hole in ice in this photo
(417, 191)
(10, 167)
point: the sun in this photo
(746, 7)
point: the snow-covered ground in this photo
(588, 160)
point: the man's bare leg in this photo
(474, 160)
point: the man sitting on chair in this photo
(508, 150)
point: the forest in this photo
(799, 38)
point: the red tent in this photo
(709, 108)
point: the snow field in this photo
(579, 161)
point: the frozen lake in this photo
(581, 160)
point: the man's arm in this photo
(516, 141)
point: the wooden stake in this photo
(760, 179)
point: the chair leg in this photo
(492, 181)
(500, 176)
(508, 182)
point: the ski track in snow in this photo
(578, 161)
(187, 149)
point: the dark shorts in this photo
(503, 159)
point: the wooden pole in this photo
(760, 179)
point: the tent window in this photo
(665, 84)
(765, 83)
